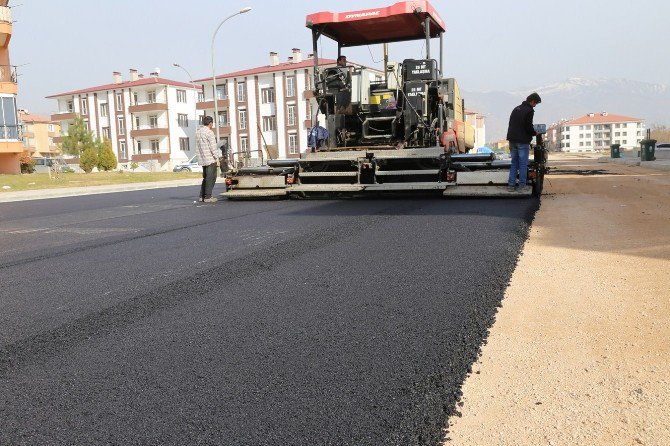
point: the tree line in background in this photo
(660, 133)
(92, 152)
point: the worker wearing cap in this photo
(519, 134)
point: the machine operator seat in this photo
(336, 79)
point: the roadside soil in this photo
(580, 350)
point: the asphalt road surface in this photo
(141, 318)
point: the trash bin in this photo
(647, 150)
(614, 150)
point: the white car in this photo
(189, 166)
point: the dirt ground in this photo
(580, 351)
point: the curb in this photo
(656, 165)
(43, 194)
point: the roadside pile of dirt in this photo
(580, 351)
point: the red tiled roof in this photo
(600, 118)
(28, 117)
(138, 83)
(270, 69)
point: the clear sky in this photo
(489, 45)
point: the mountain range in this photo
(573, 98)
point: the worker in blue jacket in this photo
(519, 134)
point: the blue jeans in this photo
(519, 153)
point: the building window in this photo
(122, 150)
(105, 132)
(137, 122)
(51, 127)
(153, 121)
(269, 123)
(290, 86)
(268, 95)
(84, 106)
(624, 133)
(181, 96)
(244, 143)
(290, 115)
(151, 97)
(155, 146)
(139, 147)
(292, 143)
(70, 106)
(241, 93)
(119, 101)
(223, 118)
(182, 119)
(222, 92)
(136, 98)
(104, 110)
(243, 119)
(183, 144)
(122, 125)
(201, 96)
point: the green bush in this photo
(134, 166)
(88, 159)
(106, 159)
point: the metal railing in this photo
(8, 73)
(12, 132)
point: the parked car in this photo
(189, 166)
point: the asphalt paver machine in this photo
(400, 129)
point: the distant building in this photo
(271, 105)
(10, 141)
(597, 131)
(39, 135)
(149, 120)
(478, 121)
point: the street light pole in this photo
(216, 99)
(195, 91)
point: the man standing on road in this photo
(519, 134)
(208, 158)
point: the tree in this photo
(660, 133)
(78, 139)
(27, 163)
(106, 159)
(88, 159)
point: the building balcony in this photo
(161, 157)
(8, 79)
(9, 146)
(149, 132)
(63, 116)
(149, 107)
(58, 139)
(5, 25)
(206, 105)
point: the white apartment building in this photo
(478, 121)
(149, 120)
(272, 105)
(597, 131)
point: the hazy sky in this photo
(489, 45)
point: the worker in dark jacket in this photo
(519, 134)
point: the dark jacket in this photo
(520, 129)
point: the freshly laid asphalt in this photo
(144, 318)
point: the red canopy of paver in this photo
(401, 21)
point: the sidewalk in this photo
(580, 350)
(658, 164)
(41, 194)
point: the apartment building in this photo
(149, 120)
(268, 106)
(39, 135)
(597, 131)
(478, 122)
(10, 141)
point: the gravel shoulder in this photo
(580, 350)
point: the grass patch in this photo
(35, 181)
